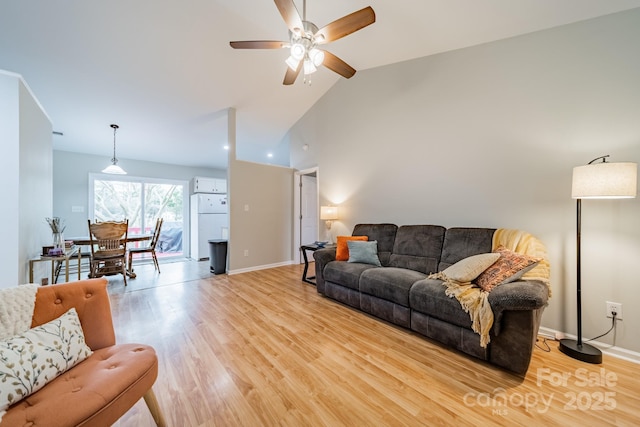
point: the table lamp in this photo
(328, 214)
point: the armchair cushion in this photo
(99, 390)
(30, 360)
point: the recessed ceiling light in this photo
(269, 155)
(226, 147)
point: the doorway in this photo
(306, 202)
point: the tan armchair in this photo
(100, 389)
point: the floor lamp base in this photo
(584, 352)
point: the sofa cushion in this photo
(418, 247)
(390, 283)
(364, 252)
(462, 242)
(428, 296)
(342, 249)
(34, 358)
(467, 269)
(508, 268)
(345, 273)
(384, 234)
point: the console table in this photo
(56, 263)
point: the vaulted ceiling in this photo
(164, 71)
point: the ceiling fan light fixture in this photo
(316, 56)
(298, 51)
(309, 67)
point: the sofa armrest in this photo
(322, 257)
(519, 295)
(90, 299)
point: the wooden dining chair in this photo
(108, 248)
(151, 248)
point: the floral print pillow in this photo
(30, 360)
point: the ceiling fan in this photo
(305, 37)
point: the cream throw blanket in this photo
(16, 309)
(475, 301)
(525, 243)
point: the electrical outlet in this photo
(614, 307)
(246, 252)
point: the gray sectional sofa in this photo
(400, 292)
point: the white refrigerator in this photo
(209, 220)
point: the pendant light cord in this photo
(115, 128)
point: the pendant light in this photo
(113, 168)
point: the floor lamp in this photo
(595, 181)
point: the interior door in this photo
(308, 209)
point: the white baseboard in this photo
(259, 267)
(619, 352)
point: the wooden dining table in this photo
(86, 241)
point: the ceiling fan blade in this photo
(291, 76)
(337, 65)
(259, 44)
(346, 25)
(290, 14)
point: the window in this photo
(142, 201)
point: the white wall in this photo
(26, 190)
(487, 136)
(9, 135)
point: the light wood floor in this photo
(264, 349)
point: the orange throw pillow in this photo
(342, 250)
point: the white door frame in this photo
(297, 208)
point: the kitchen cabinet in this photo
(209, 185)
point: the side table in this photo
(311, 247)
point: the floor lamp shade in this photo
(595, 181)
(605, 181)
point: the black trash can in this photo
(217, 256)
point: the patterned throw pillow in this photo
(469, 268)
(509, 267)
(342, 250)
(30, 360)
(364, 252)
